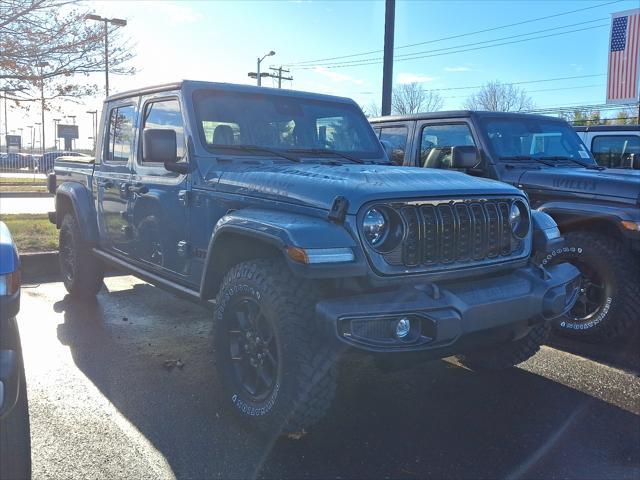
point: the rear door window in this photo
(119, 145)
(397, 138)
(615, 151)
(436, 142)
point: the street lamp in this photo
(38, 124)
(56, 121)
(94, 120)
(41, 66)
(259, 77)
(118, 22)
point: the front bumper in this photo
(443, 316)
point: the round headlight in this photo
(519, 219)
(374, 226)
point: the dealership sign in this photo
(67, 131)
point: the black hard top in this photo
(459, 114)
(231, 87)
(608, 128)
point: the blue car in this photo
(45, 162)
(15, 439)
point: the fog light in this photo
(403, 327)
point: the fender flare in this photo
(83, 208)
(277, 231)
(568, 213)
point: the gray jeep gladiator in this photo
(279, 209)
(597, 209)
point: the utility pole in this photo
(279, 75)
(118, 22)
(387, 70)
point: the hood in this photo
(617, 183)
(316, 185)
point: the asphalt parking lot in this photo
(104, 405)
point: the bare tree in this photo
(500, 97)
(47, 43)
(371, 110)
(411, 98)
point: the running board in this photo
(150, 277)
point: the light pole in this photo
(38, 124)
(40, 66)
(94, 119)
(56, 121)
(259, 77)
(73, 140)
(118, 22)
(20, 130)
(30, 127)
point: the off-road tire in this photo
(619, 268)
(82, 273)
(507, 355)
(306, 381)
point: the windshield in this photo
(277, 122)
(519, 138)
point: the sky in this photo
(221, 40)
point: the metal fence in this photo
(28, 167)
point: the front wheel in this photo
(609, 297)
(276, 375)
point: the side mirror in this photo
(159, 146)
(464, 157)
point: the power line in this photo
(542, 80)
(545, 89)
(456, 36)
(408, 55)
(339, 65)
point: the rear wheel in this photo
(609, 296)
(82, 272)
(276, 374)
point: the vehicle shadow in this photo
(435, 419)
(623, 353)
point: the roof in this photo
(231, 87)
(459, 114)
(608, 128)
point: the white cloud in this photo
(457, 69)
(413, 78)
(337, 76)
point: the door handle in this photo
(105, 183)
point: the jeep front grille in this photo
(452, 233)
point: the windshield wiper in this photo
(527, 157)
(582, 164)
(325, 151)
(258, 149)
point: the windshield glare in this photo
(280, 122)
(515, 137)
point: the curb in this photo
(25, 194)
(39, 264)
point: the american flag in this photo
(622, 81)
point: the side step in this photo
(150, 277)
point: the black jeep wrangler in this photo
(597, 209)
